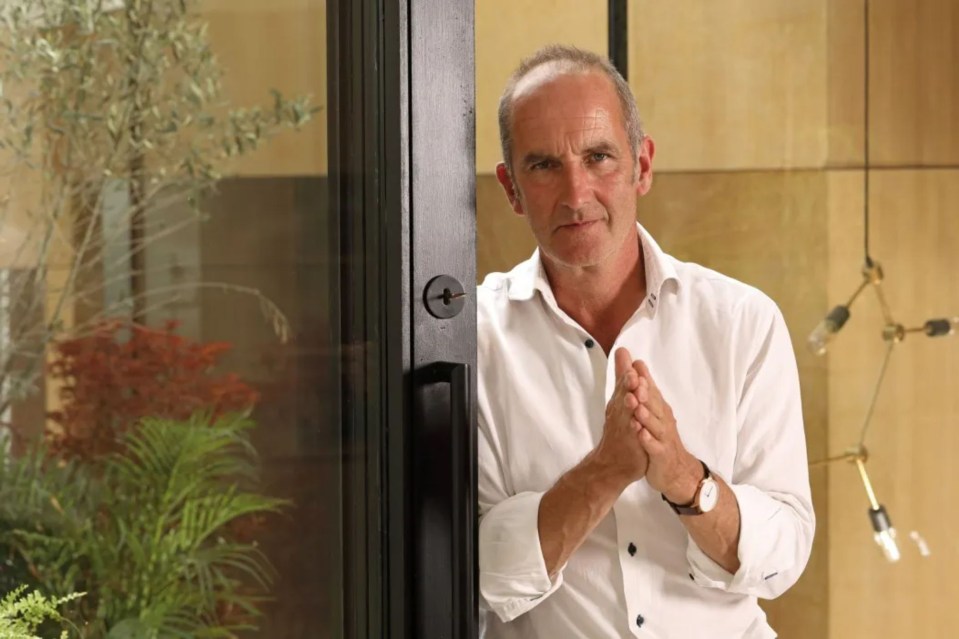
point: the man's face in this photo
(574, 177)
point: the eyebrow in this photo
(600, 147)
(535, 158)
(603, 147)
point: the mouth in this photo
(579, 226)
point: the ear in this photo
(511, 192)
(644, 160)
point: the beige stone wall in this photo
(506, 32)
(912, 439)
(914, 215)
(738, 84)
(278, 44)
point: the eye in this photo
(542, 165)
(597, 157)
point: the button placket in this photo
(633, 561)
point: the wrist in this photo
(683, 489)
(606, 474)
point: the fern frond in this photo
(21, 612)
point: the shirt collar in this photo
(530, 276)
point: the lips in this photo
(577, 226)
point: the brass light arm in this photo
(883, 531)
(858, 456)
(862, 286)
(849, 456)
(870, 493)
(884, 305)
(939, 327)
(875, 395)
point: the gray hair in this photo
(573, 60)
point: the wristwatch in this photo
(705, 498)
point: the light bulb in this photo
(884, 533)
(941, 327)
(829, 326)
(887, 541)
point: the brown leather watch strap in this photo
(691, 508)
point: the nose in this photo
(576, 187)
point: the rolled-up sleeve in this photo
(770, 476)
(513, 577)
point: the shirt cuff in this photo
(513, 577)
(762, 550)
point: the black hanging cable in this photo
(865, 136)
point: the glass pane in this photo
(141, 292)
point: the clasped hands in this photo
(640, 438)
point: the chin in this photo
(579, 257)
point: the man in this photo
(642, 463)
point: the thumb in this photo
(623, 362)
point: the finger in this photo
(624, 400)
(653, 446)
(642, 369)
(654, 397)
(625, 386)
(650, 422)
(627, 407)
(622, 358)
(649, 398)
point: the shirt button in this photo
(632, 549)
(640, 621)
(590, 343)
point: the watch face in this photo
(708, 495)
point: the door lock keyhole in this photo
(449, 296)
(444, 297)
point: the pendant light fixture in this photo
(893, 333)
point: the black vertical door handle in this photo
(456, 496)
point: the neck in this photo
(601, 298)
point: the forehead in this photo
(551, 107)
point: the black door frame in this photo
(402, 190)
(618, 35)
(443, 211)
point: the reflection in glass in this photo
(144, 313)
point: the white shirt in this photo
(721, 355)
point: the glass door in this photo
(402, 184)
(259, 211)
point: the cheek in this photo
(536, 197)
(618, 194)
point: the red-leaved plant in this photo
(122, 372)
